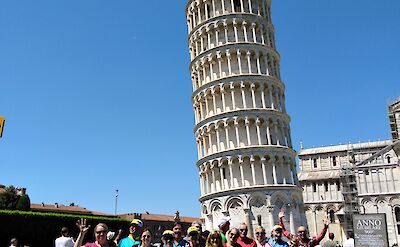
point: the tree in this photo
(9, 198)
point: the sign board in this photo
(370, 230)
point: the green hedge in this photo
(36, 229)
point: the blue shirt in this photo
(279, 243)
(127, 242)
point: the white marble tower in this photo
(246, 162)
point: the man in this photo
(350, 240)
(65, 240)
(178, 239)
(243, 240)
(13, 242)
(276, 237)
(134, 234)
(261, 239)
(330, 242)
(223, 225)
(302, 234)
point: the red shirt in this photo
(246, 242)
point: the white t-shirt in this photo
(349, 243)
(64, 242)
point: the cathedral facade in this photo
(377, 181)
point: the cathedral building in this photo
(246, 163)
(377, 181)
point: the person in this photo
(303, 240)
(223, 225)
(145, 239)
(276, 237)
(13, 242)
(100, 235)
(134, 235)
(350, 240)
(330, 242)
(261, 239)
(203, 236)
(193, 236)
(178, 239)
(65, 240)
(214, 239)
(232, 236)
(202, 241)
(243, 240)
(167, 238)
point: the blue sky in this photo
(97, 93)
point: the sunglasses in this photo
(233, 235)
(101, 232)
(260, 233)
(243, 230)
(146, 236)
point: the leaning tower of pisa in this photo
(246, 162)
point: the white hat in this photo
(223, 221)
(110, 235)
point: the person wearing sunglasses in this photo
(243, 240)
(214, 239)
(167, 239)
(302, 234)
(145, 239)
(261, 238)
(193, 236)
(276, 237)
(134, 234)
(232, 237)
(100, 235)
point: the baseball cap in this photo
(137, 222)
(277, 227)
(223, 221)
(192, 229)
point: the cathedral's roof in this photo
(345, 147)
(319, 175)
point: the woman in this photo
(232, 236)
(145, 239)
(100, 234)
(214, 239)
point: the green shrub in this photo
(36, 229)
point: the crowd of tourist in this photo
(194, 236)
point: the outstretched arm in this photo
(321, 235)
(83, 228)
(285, 233)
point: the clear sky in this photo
(97, 93)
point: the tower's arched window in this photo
(388, 159)
(334, 161)
(236, 4)
(315, 163)
(259, 220)
(397, 216)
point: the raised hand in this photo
(81, 224)
(281, 213)
(327, 221)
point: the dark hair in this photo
(64, 231)
(331, 236)
(177, 223)
(146, 230)
(350, 235)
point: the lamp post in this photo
(116, 201)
